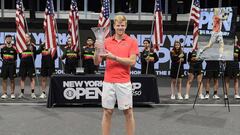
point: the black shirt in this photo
(194, 64)
(47, 59)
(71, 56)
(175, 58)
(8, 54)
(212, 66)
(143, 56)
(29, 55)
(234, 64)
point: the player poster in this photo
(217, 28)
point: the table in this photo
(87, 89)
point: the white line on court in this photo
(207, 105)
(44, 104)
(22, 104)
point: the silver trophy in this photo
(100, 36)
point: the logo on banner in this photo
(226, 15)
(90, 89)
(87, 93)
(82, 89)
(136, 89)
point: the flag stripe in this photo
(49, 28)
(158, 25)
(21, 40)
(18, 46)
(20, 27)
(73, 25)
(195, 15)
(104, 20)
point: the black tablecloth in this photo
(84, 89)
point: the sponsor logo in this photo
(136, 89)
(86, 93)
(90, 89)
(85, 89)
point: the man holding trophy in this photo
(120, 52)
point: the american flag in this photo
(158, 25)
(194, 15)
(104, 20)
(20, 26)
(49, 28)
(73, 25)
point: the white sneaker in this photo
(21, 95)
(221, 57)
(225, 96)
(33, 96)
(207, 96)
(4, 96)
(186, 97)
(42, 96)
(216, 96)
(173, 97)
(201, 96)
(179, 97)
(12, 96)
(237, 96)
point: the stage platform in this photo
(163, 89)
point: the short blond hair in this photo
(120, 18)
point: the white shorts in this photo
(120, 92)
(216, 37)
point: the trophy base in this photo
(101, 52)
(80, 71)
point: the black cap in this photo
(8, 36)
(90, 38)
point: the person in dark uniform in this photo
(195, 69)
(148, 56)
(232, 71)
(177, 57)
(87, 57)
(212, 72)
(47, 66)
(72, 57)
(27, 66)
(9, 57)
